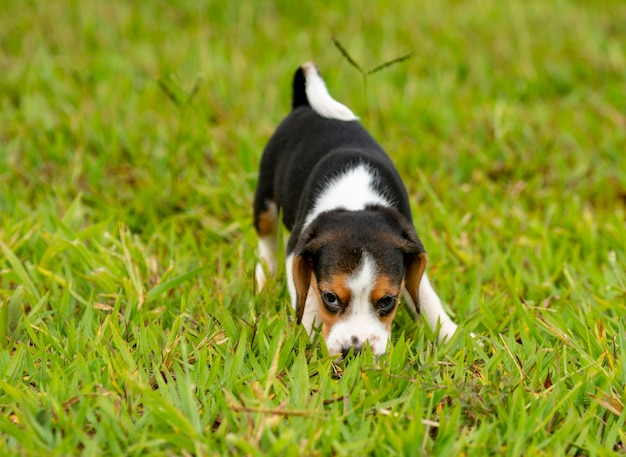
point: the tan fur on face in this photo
(337, 284)
(384, 285)
(328, 319)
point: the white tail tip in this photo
(319, 98)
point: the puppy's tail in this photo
(298, 97)
(309, 90)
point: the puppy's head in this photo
(357, 262)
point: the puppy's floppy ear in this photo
(415, 261)
(302, 271)
(415, 265)
(304, 252)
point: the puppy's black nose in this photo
(346, 350)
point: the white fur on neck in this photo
(352, 190)
(319, 98)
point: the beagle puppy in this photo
(353, 249)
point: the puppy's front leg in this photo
(430, 305)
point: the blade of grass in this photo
(174, 282)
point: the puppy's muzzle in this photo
(355, 349)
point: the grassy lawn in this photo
(130, 134)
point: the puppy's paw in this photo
(446, 331)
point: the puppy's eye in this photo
(386, 304)
(331, 302)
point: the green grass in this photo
(130, 134)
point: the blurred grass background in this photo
(130, 134)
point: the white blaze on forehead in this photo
(361, 322)
(361, 284)
(352, 190)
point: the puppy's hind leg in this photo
(266, 224)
